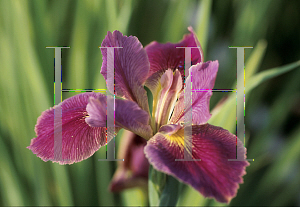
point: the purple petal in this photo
(203, 77)
(167, 56)
(133, 171)
(96, 109)
(131, 67)
(213, 176)
(79, 140)
(128, 115)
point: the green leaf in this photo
(191, 197)
(203, 17)
(173, 23)
(11, 187)
(225, 116)
(156, 182)
(171, 192)
(164, 190)
(280, 180)
(256, 58)
(268, 74)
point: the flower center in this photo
(164, 98)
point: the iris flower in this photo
(159, 67)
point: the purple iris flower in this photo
(160, 67)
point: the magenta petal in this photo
(131, 67)
(79, 140)
(203, 78)
(133, 171)
(128, 115)
(167, 56)
(213, 176)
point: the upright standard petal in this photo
(203, 80)
(131, 67)
(167, 56)
(133, 171)
(213, 176)
(128, 115)
(165, 96)
(79, 140)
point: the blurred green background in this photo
(272, 117)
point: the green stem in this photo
(164, 189)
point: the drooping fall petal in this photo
(203, 80)
(167, 56)
(79, 140)
(131, 67)
(213, 176)
(133, 171)
(128, 115)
